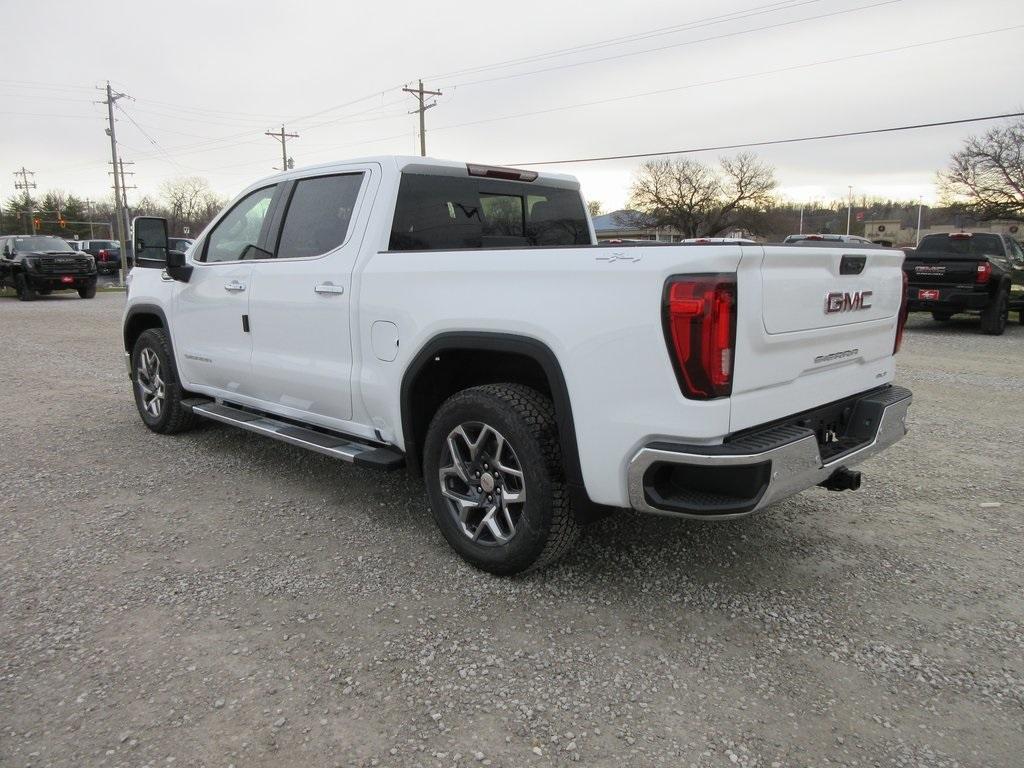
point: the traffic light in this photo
(37, 222)
(61, 222)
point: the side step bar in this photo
(333, 445)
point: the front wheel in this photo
(25, 290)
(158, 394)
(493, 469)
(88, 291)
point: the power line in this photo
(729, 79)
(149, 138)
(721, 36)
(421, 95)
(635, 37)
(772, 142)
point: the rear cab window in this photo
(318, 216)
(449, 212)
(976, 245)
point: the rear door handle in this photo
(328, 287)
(234, 286)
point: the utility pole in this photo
(27, 185)
(849, 208)
(917, 238)
(801, 220)
(283, 137)
(421, 95)
(88, 215)
(124, 191)
(112, 97)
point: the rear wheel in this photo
(941, 316)
(995, 315)
(158, 394)
(493, 470)
(25, 291)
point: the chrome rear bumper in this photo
(773, 464)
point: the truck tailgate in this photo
(942, 269)
(814, 325)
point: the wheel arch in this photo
(433, 376)
(142, 317)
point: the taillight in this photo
(700, 328)
(984, 272)
(901, 321)
(103, 255)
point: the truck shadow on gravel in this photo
(339, 500)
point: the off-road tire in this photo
(174, 417)
(25, 291)
(546, 529)
(88, 291)
(995, 315)
(942, 317)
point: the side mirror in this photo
(150, 242)
(177, 267)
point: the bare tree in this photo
(987, 176)
(700, 200)
(594, 208)
(190, 202)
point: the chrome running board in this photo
(336, 446)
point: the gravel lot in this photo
(218, 598)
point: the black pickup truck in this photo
(36, 265)
(966, 272)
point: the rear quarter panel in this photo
(601, 317)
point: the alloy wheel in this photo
(482, 482)
(150, 382)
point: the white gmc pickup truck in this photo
(460, 320)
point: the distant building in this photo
(632, 225)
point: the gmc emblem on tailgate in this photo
(837, 301)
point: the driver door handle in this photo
(328, 287)
(234, 286)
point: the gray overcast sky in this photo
(208, 78)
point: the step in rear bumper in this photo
(759, 468)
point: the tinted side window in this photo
(319, 215)
(1015, 251)
(237, 235)
(450, 212)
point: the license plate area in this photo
(928, 294)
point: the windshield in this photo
(41, 244)
(108, 244)
(975, 245)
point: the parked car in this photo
(37, 265)
(966, 272)
(720, 241)
(827, 238)
(462, 321)
(179, 243)
(107, 254)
